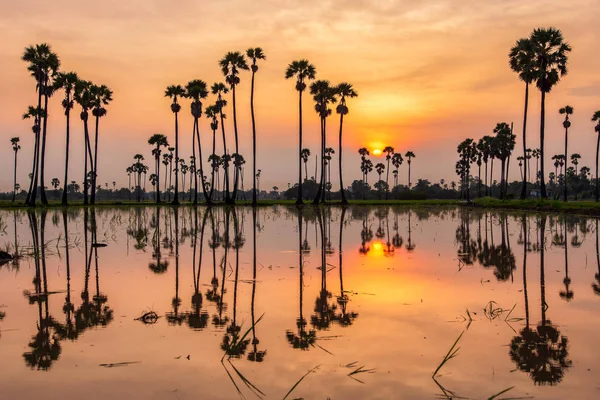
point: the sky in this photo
(429, 74)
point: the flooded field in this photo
(277, 303)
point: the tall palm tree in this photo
(323, 94)
(566, 110)
(16, 147)
(521, 61)
(101, 96)
(397, 161)
(220, 89)
(197, 90)
(409, 156)
(83, 96)
(302, 70)
(550, 64)
(66, 81)
(389, 153)
(43, 65)
(211, 112)
(254, 54)
(157, 140)
(305, 153)
(231, 64)
(344, 90)
(35, 114)
(174, 92)
(596, 119)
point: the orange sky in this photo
(428, 75)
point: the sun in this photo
(376, 152)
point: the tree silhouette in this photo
(344, 91)
(101, 96)
(302, 70)
(175, 92)
(220, 89)
(254, 54)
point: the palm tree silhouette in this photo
(595, 285)
(83, 96)
(35, 114)
(305, 154)
(389, 153)
(255, 355)
(521, 61)
(344, 90)
(157, 140)
(409, 156)
(43, 65)
(66, 81)
(254, 54)
(549, 65)
(302, 70)
(567, 294)
(220, 89)
(231, 64)
(197, 319)
(197, 90)
(323, 94)
(174, 92)
(101, 96)
(596, 119)
(16, 147)
(567, 110)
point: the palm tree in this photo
(323, 94)
(43, 65)
(254, 54)
(379, 167)
(83, 97)
(596, 118)
(35, 114)
(409, 156)
(197, 90)
(389, 153)
(304, 154)
(16, 147)
(567, 110)
(173, 92)
(231, 64)
(549, 65)
(521, 61)
(220, 89)
(211, 112)
(397, 161)
(139, 168)
(66, 81)
(343, 90)
(158, 140)
(101, 96)
(301, 70)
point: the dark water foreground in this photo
(368, 302)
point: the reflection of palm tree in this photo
(304, 339)
(366, 235)
(410, 246)
(324, 312)
(543, 352)
(567, 294)
(197, 319)
(596, 285)
(255, 354)
(174, 317)
(159, 266)
(45, 344)
(68, 330)
(219, 319)
(344, 318)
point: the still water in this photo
(357, 303)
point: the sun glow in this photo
(376, 152)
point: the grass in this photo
(573, 207)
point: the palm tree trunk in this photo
(31, 195)
(565, 192)
(176, 194)
(525, 162)
(486, 179)
(479, 180)
(212, 173)
(85, 163)
(254, 201)
(199, 164)
(157, 168)
(195, 160)
(491, 177)
(95, 167)
(409, 174)
(542, 273)
(15, 178)
(502, 179)
(321, 189)
(306, 169)
(43, 155)
(597, 180)
(65, 182)
(542, 126)
(235, 131)
(225, 166)
(299, 199)
(387, 177)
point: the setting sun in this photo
(377, 152)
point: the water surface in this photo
(363, 303)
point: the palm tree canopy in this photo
(196, 89)
(550, 57)
(345, 89)
(323, 94)
(231, 64)
(301, 69)
(410, 154)
(42, 61)
(83, 95)
(158, 140)
(65, 80)
(566, 110)
(218, 88)
(521, 60)
(174, 91)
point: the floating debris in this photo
(149, 317)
